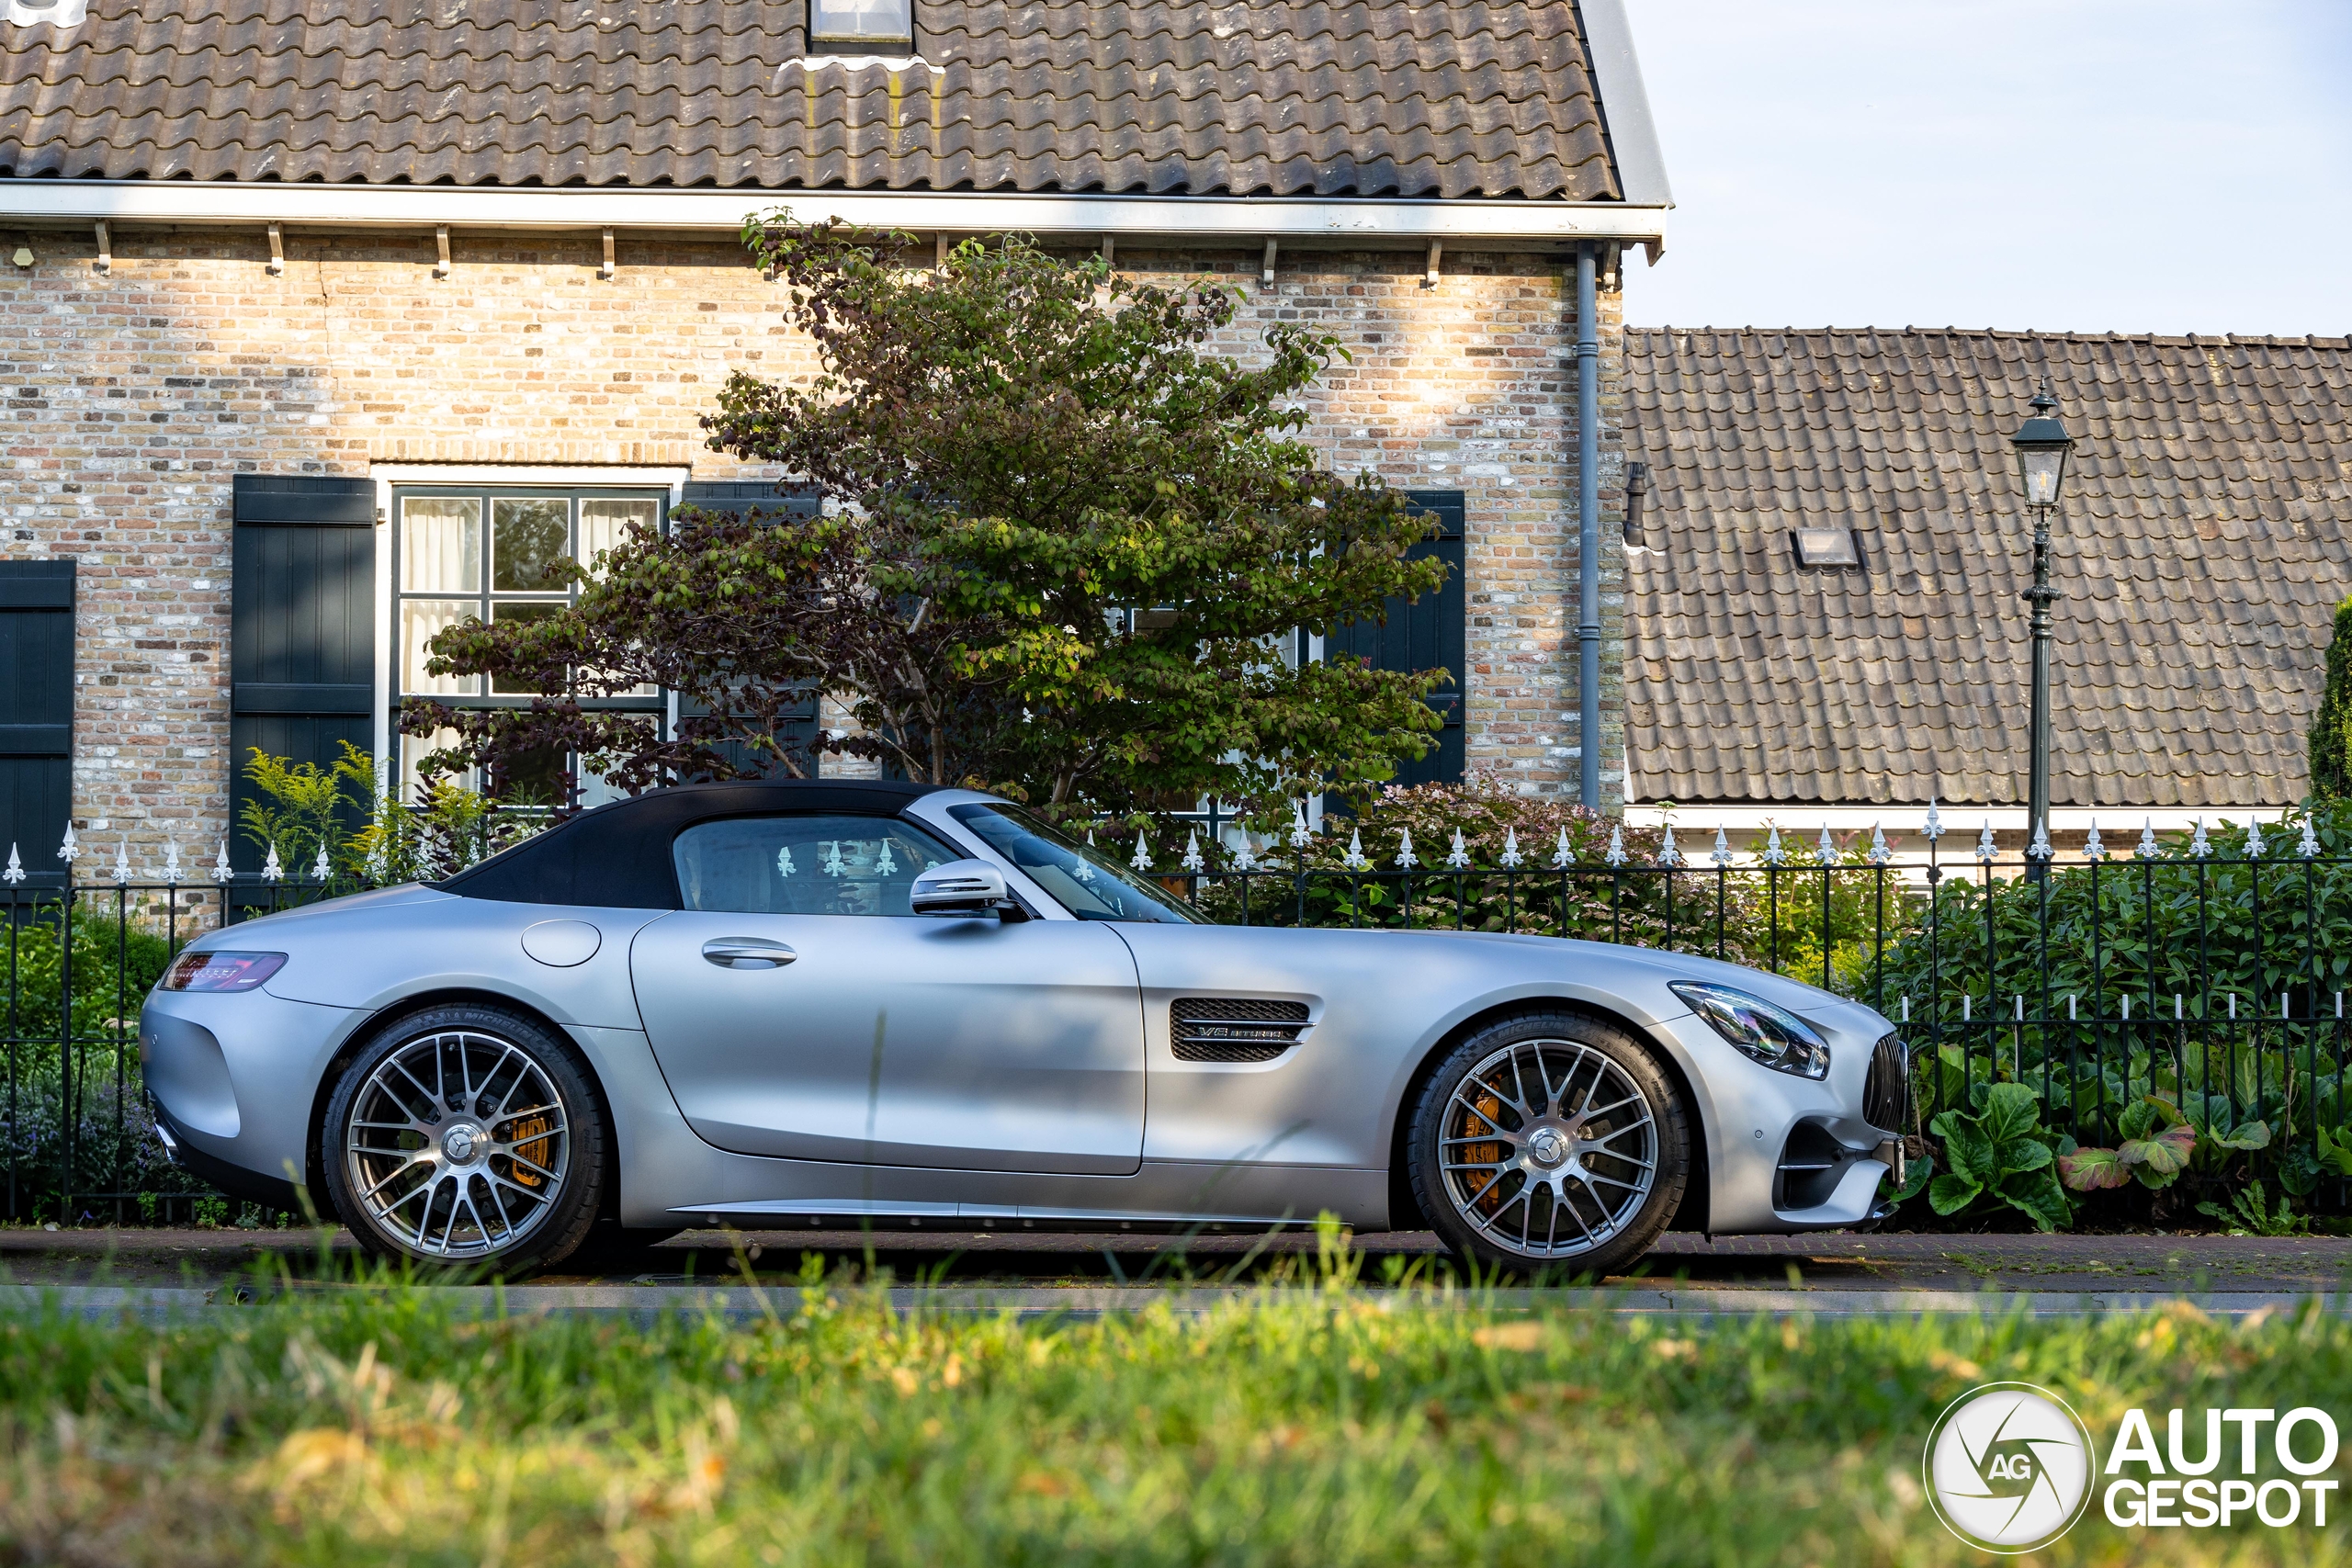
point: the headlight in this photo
(1774, 1036)
(221, 971)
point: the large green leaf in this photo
(2093, 1170)
(1949, 1194)
(1971, 1152)
(2245, 1135)
(2037, 1195)
(2023, 1153)
(2011, 1111)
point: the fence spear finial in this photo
(1986, 850)
(2308, 846)
(1406, 859)
(71, 850)
(1561, 854)
(1457, 856)
(1827, 853)
(1773, 853)
(272, 869)
(2197, 843)
(1245, 858)
(1723, 849)
(1880, 853)
(2039, 849)
(1192, 860)
(1666, 853)
(2092, 848)
(122, 861)
(1354, 859)
(1512, 859)
(1299, 832)
(172, 871)
(321, 870)
(1616, 846)
(220, 868)
(16, 872)
(1142, 860)
(2148, 838)
(2253, 839)
(1934, 828)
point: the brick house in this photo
(318, 321)
(1826, 554)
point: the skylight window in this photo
(1828, 549)
(861, 24)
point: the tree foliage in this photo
(1020, 452)
(2329, 745)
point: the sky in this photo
(2076, 165)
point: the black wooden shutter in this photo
(1424, 634)
(302, 629)
(36, 715)
(760, 498)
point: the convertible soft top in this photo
(617, 856)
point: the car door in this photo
(798, 1009)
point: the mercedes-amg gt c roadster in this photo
(838, 1004)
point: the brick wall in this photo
(133, 396)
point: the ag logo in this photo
(2009, 1467)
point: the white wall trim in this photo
(647, 476)
(1625, 103)
(1955, 818)
(1199, 220)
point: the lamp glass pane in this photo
(2043, 467)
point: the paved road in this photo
(1830, 1272)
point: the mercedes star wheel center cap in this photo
(460, 1142)
(1547, 1147)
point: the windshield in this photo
(1082, 880)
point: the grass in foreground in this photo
(1323, 1426)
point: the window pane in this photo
(506, 686)
(441, 543)
(805, 865)
(1087, 882)
(879, 19)
(602, 522)
(420, 618)
(527, 537)
(413, 750)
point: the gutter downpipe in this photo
(1587, 531)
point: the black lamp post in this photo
(2042, 445)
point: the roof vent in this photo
(1827, 550)
(1637, 488)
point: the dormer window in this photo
(861, 26)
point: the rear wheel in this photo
(466, 1135)
(1550, 1141)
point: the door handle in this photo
(747, 953)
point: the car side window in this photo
(803, 864)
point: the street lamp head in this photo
(2042, 444)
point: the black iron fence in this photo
(77, 1137)
(2122, 992)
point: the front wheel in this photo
(463, 1135)
(1550, 1141)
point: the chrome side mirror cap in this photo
(960, 887)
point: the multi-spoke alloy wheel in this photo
(465, 1133)
(1549, 1139)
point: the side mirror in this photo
(961, 887)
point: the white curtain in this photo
(441, 543)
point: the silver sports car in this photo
(829, 1003)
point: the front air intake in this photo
(1233, 1028)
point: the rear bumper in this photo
(234, 1078)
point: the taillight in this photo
(221, 971)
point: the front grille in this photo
(1233, 1028)
(1886, 1093)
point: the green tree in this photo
(2329, 746)
(1036, 447)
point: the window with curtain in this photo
(489, 554)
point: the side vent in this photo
(1233, 1028)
